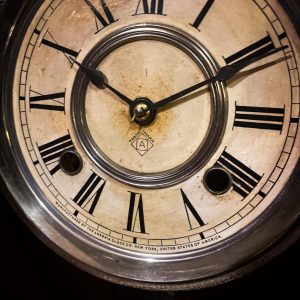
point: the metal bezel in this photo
(224, 261)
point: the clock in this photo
(153, 143)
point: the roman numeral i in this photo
(203, 13)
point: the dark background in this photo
(29, 270)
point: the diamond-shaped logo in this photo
(142, 143)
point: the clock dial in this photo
(158, 129)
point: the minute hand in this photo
(224, 74)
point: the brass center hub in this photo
(142, 111)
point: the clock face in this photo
(137, 143)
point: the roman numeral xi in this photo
(102, 19)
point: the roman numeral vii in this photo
(90, 193)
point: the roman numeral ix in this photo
(101, 21)
(52, 151)
(150, 7)
(89, 195)
(244, 179)
(55, 102)
(259, 117)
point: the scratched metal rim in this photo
(110, 264)
(196, 51)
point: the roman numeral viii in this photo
(194, 219)
(150, 7)
(203, 13)
(52, 151)
(89, 195)
(101, 21)
(55, 102)
(259, 117)
(136, 219)
(244, 179)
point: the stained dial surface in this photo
(259, 146)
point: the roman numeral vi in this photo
(136, 219)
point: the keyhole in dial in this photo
(217, 180)
(71, 162)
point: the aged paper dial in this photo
(158, 129)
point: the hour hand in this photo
(99, 80)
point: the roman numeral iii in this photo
(150, 7)
(259, 117)
(101, 20)
(244, 179)
(89, 195)
(136, 219)
(52, 151)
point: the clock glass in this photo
(153, 140)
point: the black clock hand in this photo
(100, 81)
(224, 74)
